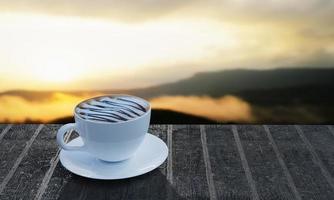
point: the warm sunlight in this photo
(214, 59)
(68, 49)
(55, 71)
(49, 51)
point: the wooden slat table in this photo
(205, 162)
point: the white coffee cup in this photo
(108, 141)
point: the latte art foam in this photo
(112, 108)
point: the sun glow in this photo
(55, 72)
(54, 49)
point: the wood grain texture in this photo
(228, 174)
(271, 183)
(331, 129)
(245, 165)
(205, 164)
(306, 174)
(161, 132)
(11, 146)
(53, 164)
(19, 159)
(318, 142)
(189, 173)
(4, 128)
(28, 176)
(283, 165)
(322, 141)
(58, 180)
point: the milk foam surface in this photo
(112, 108)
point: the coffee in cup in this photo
(112, 127)
(112, 109)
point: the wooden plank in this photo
(189, 173)
(161, 132)
(249, 176)
(53, 163)
(331, 129)
(4, 129)
(64, 185)
(3, 126)
(322, 140)
(271, 183)
(35, 163)
(319, 141)
(307, 176)
(282, 163)
(228, 173)
(207, 162)
(12, 147)
(58, 179)
(203, 160)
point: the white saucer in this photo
(150, 155)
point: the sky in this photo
(109, 44)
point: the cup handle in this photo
(60, 137)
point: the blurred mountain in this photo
(285, 95)
(219, 83)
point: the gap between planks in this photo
(54, 161)
(331, 129)
(245, 165)
(4, 131)
(19, 159)
(170, 154)
(282, 163)
(208, 170)
(315, 157)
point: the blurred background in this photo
(233, 61)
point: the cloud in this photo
(225, 109)
(18, 109)
(138, 10)
(318, 34)
(133, 10)
(313, 58)
(318, 58)
(190, 36)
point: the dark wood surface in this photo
(205, 162)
